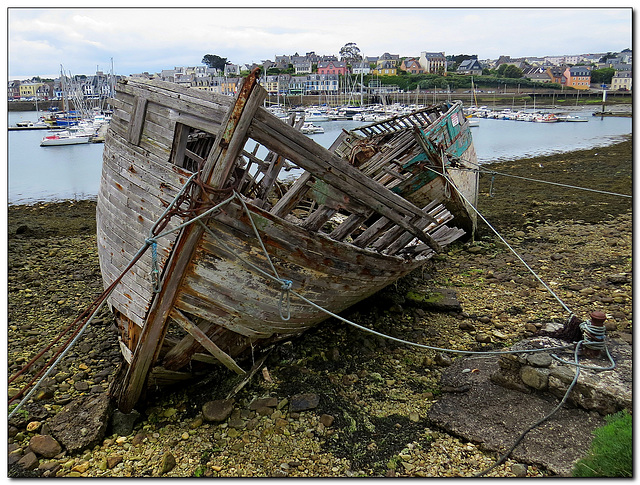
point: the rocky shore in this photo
(336, 402)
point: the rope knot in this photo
(593, 335)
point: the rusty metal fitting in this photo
(597, 320)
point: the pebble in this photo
(218, 410)
(483, 338)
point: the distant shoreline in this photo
(503, 100)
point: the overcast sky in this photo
(40, 40)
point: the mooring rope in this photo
(587, 342)
(479, 169)
(277, 278)
(504, 241)
(593, 338)
(286, 289)
(541, 420)
(585, 326)
(594, 341)
(597, 332)
(80, 322)
(67, 347)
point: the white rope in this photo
(355, 325)
(494, 172)
(148, 242)
(60, 357)
(446, 177)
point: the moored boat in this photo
(315, 115)
(309, 128)
(545, 118)
(63, 137)
(571, 118)
(243, 275)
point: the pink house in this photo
(333, 67)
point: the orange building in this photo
(578, 77)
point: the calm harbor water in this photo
(38, 173)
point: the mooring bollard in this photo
(594, 334)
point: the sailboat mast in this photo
(64, 89)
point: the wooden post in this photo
(215, 172)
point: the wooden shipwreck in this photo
(361, 215)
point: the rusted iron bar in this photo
(214, 173)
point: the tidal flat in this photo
(374, 394)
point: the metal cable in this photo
(360, 327)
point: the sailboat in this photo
(64, 137)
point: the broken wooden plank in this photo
(203, 340)
(138, 115)
(293, 196)
(347, 227)
(306, 154)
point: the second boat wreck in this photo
(233, 252)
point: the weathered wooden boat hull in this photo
(217, 288)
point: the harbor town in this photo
(351, 79)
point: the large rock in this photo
(167, 463)
(603, 391)
(44, 445)
(122, 424)
(83, 422)
(303, 402)
(494, 416)
(269, 402)
(442, 300)
(29, 461)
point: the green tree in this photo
(512, 71)
(350, 53)
(602, 76)
(213, 61)
(608, 55)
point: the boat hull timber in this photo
(335, 235)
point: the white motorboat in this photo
(315, 115)
(571, 118)
(31, 124)
(309, 128)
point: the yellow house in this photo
(28, 90)
(386, 68)
(270, 84)
(229, 86)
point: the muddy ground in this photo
(377, 391)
